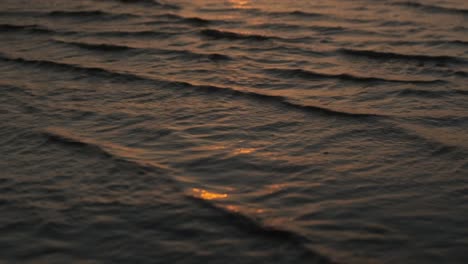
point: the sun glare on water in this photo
(240, 3)
(206, 195)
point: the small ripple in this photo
(311, 75)
(443, 150)
(72, 67)
(430, 93)
(27, 28)
(296, 13)
(378, 55)
(454, 42)
(299, 14)
(98, 47)
(277, 26)
(229, 10)
(142, 33)
(220, 34)
(61, 14)
(425, 43)
(182, 54)
(173, 18)
(395, 23)
(433, 8)
(95, 14)
(190, 55)
(461, 74)
(152, 3)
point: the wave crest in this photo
(202, 88)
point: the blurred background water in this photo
(240, 131)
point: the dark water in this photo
(233, 131)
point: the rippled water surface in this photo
(235, 131)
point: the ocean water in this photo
(233, 131)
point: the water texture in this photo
(233, 131)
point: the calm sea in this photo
(233, 131)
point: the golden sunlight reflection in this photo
(240, 3)
(232, 208)
(206, 195)
(243, 151)
(247, 211)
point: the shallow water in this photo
(236, 131)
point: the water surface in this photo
(233, 131)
